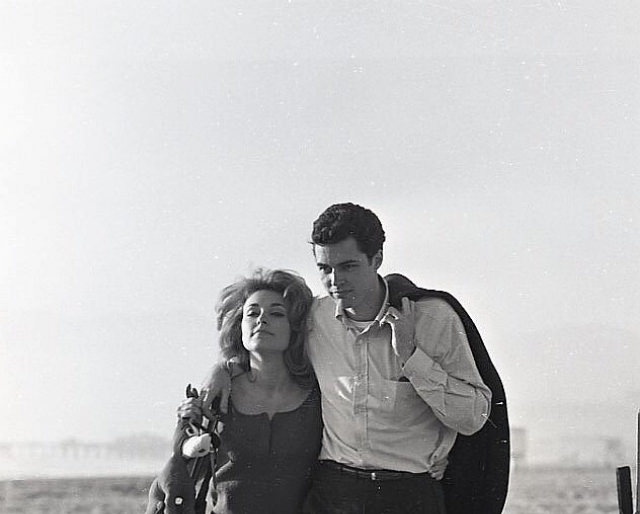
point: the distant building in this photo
(135, 454)
(590, 451)
(518, 446)
(579, 451)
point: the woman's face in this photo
(265, 322)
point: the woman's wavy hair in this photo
(297, 297)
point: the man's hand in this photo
(438, 469)
(402, 325)
(216, 386)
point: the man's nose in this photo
(335, 277)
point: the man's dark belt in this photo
(370, 474)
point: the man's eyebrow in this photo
(348, 261)
(342, 263)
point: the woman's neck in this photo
(269, 372)
(267, 388)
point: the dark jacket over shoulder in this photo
(477, 477)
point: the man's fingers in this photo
(224, 400)
(391, 315)
(437, 474)
(215, 401)
(206, 397)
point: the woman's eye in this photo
(278, 314)
(252, 314)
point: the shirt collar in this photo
(341, 315)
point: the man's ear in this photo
(377, 259)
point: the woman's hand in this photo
(191, 409)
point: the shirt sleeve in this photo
(442, 369)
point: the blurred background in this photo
(151, 152)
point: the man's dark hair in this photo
(343, 220)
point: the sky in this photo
(152, 152)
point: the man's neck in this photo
(369, 309)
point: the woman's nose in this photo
(262, 318)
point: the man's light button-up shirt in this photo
(378, 414)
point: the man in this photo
(398, 384)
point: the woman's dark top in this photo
(264, 465)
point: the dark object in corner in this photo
(625, 495)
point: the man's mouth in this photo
(341, 293)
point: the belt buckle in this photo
(373, 476)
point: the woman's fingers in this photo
(190, 408)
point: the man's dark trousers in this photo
(336, 491)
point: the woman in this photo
(270, 437)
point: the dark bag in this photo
(477, 476)
(183, 484)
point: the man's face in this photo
(348, 275)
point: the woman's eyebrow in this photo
(274, 304)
